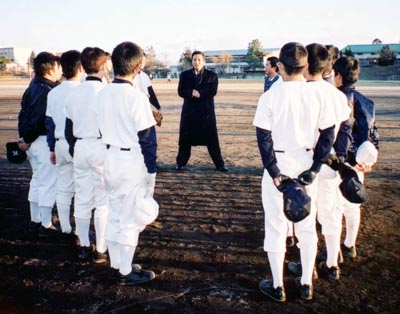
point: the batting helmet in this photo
(351, 187)
(296, 202)
(14, 153)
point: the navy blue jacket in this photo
(363, 114)
(31, 119)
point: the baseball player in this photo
(32, 132)
(329, 215)
(84, 138)
(346, 71)
(126, 121)
(295, 134)
(143, 83)
(271, 73)
(59, 148)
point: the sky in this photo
(169, 26)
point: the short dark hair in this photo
(198, 52)
(318, 57)
(273, 61)
(44, 62)
(349, 69)
(70, 63)
(294, 57)
(126, 57)
(92, 59)
(333, 55)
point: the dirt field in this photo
(206, 245)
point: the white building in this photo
(19, 57)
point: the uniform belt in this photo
(81, 138)
(121, 148)
(282, 151)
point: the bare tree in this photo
(376, 41)
(225, 59)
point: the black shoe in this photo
(306, 291)
(222, 169)
(180, 168)
(34, 228)
(115, 274)
(332, 272)
(135, 277)
(277, 294)
(296, 269)
(290, 241)
(99, 258)
(48, 232)
(349, 252)
(84, 252)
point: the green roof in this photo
(372, 48)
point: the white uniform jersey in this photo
(130, 113)
(142, 82)
(56, 100)
(327, 93)
(294, 115)
(80, 109)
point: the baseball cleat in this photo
(332, 272)
(306, 291)
(135, 277)
(277, 294)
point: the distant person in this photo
(32, 132)
(84, 138)
(198, 125)
(271, 72)
(295, 135)
(333, 56)
(72, 70)
(347, 70)
(126, 122)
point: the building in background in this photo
(233, 61)
(19, 58)
(369, 54)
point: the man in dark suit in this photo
(198, 126)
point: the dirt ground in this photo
(206, 245)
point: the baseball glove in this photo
(158, 117)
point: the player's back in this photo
(79, 108)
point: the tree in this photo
(3, 63)
(347, 52)
(376, 41)
(185, 61)
(255, 54)
(386, 56)
(225, 59)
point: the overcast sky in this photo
(171, 25)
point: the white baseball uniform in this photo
(123, 111)
(294, 115)
(89, 156)
(64, 163)
(328, 213)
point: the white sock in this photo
(45, 214)
(126, 255)
(289, 229)
(352, 225)
(308, 253)
(35, 212)
(63, 211)
(114, 253)
(82, 230)
(276, 260)
(100, 228)
(332, 249)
